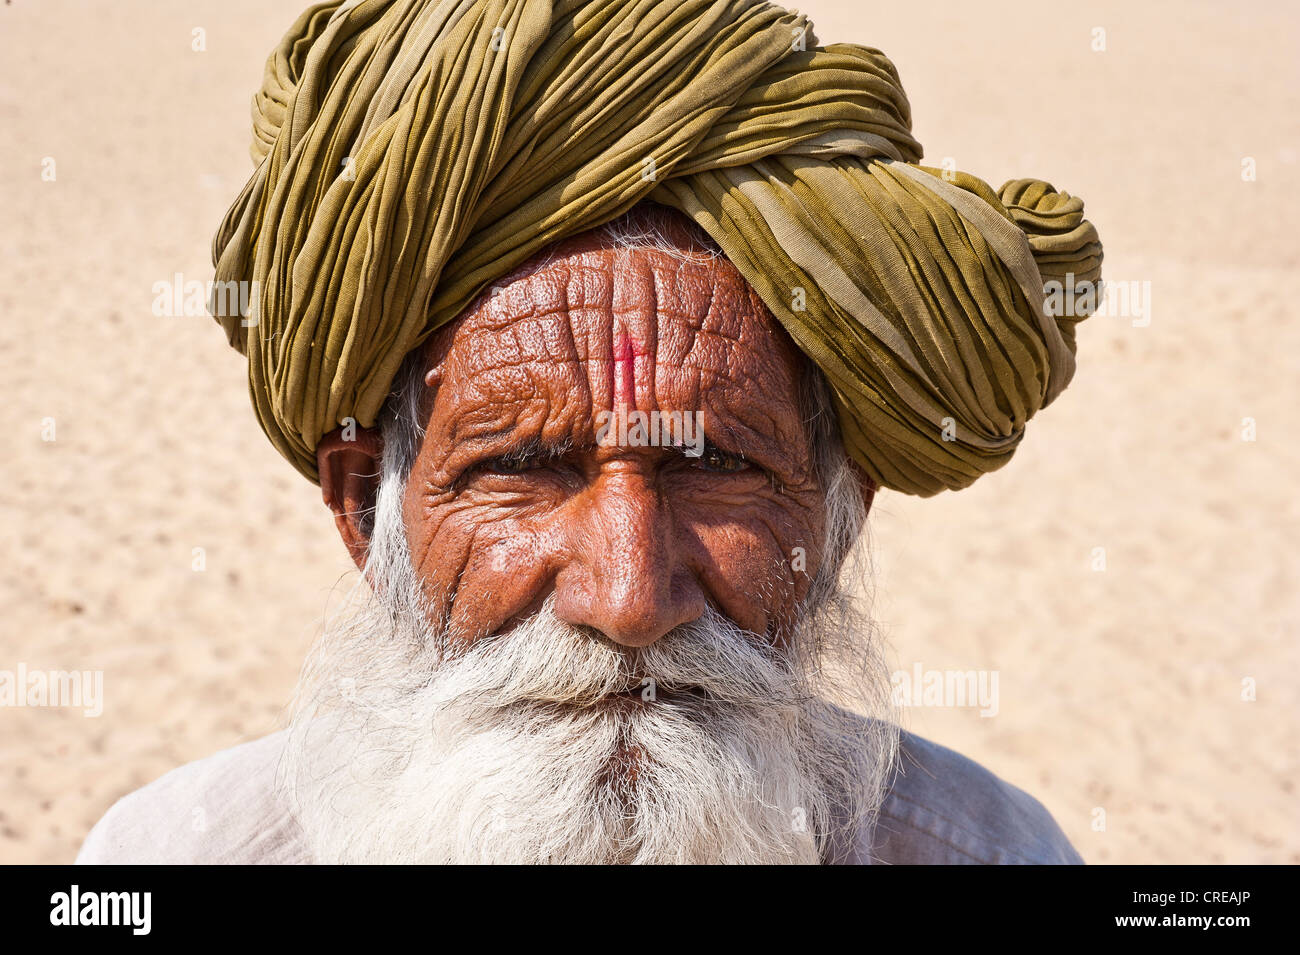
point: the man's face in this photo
(515, 497)
(545, 561)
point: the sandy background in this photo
(1119, 689)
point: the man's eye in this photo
(509, 465)
(716, 460)
(533, 456)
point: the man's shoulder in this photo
(218, 810)
(944, 808)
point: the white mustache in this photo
(547, 661)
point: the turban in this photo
(409, 152)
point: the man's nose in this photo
(629, 578)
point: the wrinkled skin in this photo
(632, 541)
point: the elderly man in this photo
(599, 325)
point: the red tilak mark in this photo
(624, 372)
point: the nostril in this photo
(632, 615)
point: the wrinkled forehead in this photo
(661, 320)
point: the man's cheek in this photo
(764, 528)
(480, 570)
(750, 568)
(439, 548)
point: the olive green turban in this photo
(411, 151)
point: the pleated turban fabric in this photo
(409, 152)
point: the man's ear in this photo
(349, 477)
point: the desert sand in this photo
(1121, 689)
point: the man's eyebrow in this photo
(531, 450)
(510, 445)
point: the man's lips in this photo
(640, 694)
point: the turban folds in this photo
(409, 152)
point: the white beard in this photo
(542, 744)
